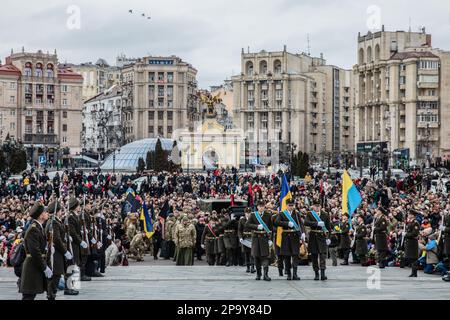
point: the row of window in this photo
(265, 104)
(160, 76)
(151, 115)
(427, 105)
(151, 130)
(427, 64)
(427, 118)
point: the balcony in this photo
(428, 85)
(427, 124)
(279, 87)
(430, 138)
(428, 98)
(264, 87)
(402, 125)
(251, 87)
(40, 138)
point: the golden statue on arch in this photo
(210, 101)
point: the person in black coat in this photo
(199, 228)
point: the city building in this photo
(102, 122)
(40, 105)
(159, 97)
(402, 98)
(97, 77)
(289, 102)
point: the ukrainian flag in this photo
(351, 198)
(145, 217)
(284, 196)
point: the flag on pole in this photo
(351, 198)
(284, 196)
(147, 221)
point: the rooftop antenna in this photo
(309, 45)
(248, 49)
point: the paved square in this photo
(161, 280)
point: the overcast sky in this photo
(209, 34)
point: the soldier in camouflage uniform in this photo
(137, 246)
(184, 238)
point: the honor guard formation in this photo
(60, 229)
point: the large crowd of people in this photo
(51, 228)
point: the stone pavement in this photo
(162, 280)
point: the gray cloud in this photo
(209, 33)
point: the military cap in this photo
(52, 205)
(290, 202)
(185, 218)
(36, 210)
(73, 203)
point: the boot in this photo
(280, 272)
(228, 264)
(266, 274)
(253, 270)
(322, 275)
(295, 276)
(413, 272)
(289, 276)
(381, 265)
(248, 269)
(85, 278)
(317, 275)
(258, 274)
(70, 292)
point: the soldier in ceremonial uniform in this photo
(220, 245)
(208, 241)
(35, 271)
(293, 234)
(245, 233)
(345, 241)
(230, 240)
(75, 232)
(380, 233)
(277, 249)
(318, 239)
(361, 241)
(261, 224)
(411, 242)
(61, 255)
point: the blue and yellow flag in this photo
(285, 195)
(351, 198)
(145, 217)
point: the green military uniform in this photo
(412, 245)
(345, 241)
(221, 258)
(446, 234)
(361, 243)
(137, 247)
(230, 241)
(245, 233)
(184, 238)
(290, 241)
(381, 245)
(59, 266)
(33, 280)
(317, 244)
(208, 240)
(260, 241)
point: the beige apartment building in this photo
(282, 98)
(402, 96)
(40, 105)
(159, 97)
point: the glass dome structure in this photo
(128, 157)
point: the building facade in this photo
(102, 122)
(291, 100)
(159, 97)
(40, 105)
(402, 98)
(97, 77)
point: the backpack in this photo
(18, 255)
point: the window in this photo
(402, 80)
(160, 130)
(151, 103)
(429, 64)
(151, 129)
(161, 102)
(64, 102)
(170, 77)
(151, 115)
(170, 91)
(429, 79)
(64, 114)
(169, 130)
(64, 127)
(64, 88)
(160, 115)
(12, 126)
(160, 76)
(12, 99)
(151, 76)
(279, 103)
(12, 85)
(169, 115)
(12, 113)
(64, 139)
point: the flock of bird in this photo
(142, 14)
